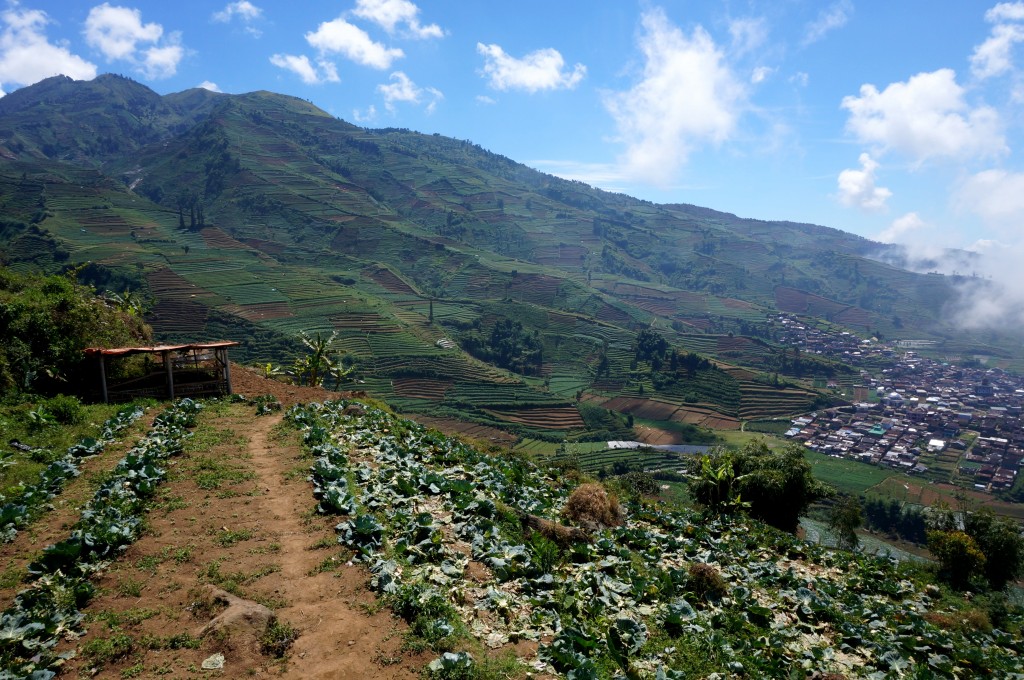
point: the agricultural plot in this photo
(848, 476)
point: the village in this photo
(943, 421)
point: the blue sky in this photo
(898, 121)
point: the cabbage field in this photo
(670, 594)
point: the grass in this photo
(849, 476)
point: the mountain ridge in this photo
(259, 215)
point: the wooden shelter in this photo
(199, 369)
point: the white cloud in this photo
(924, 118)
(484, 99)
(27, 56)
(367, 116)
(997, 196)
(747, 34)
(800, 78)
(857, 187)
(901, 227)
(352, 42)
(760, 74)
(688, 96)
(829, 19)
(119, 34)
(302, 67)
(245, 11)
(1005, 11)
(992, 57)
(162, 62)
(402, 89)
(389, 14)
(540, 70)
(117, 31)
(209, 85)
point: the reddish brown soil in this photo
(236, 512)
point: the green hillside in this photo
(256, 216)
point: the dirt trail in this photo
(238, 513)
(338, 639)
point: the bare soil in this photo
(236, 513)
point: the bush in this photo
(66, 410)
(958, 554)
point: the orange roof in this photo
(122, 351)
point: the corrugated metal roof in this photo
(157, 349)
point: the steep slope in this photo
(255, 216)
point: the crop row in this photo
(49, 608)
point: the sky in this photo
(898, 121)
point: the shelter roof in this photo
(157, 349)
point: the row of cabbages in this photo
(50, 607)
(32, 499)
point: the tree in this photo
(958, 554)
(777, 486)
(844, 520)
(46, 322)
(1001, 542)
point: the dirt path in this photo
(238, 513)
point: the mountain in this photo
(460, 282)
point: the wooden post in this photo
(103, 378)
(170, 374)
(227, 367)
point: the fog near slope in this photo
(987, 277)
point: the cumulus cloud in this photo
(341, 37)
(209, 85)
(540, 70)
(857, 187)
(402, 89)
(120, 35)
(829, 19)
(26, 54)
(484, 99)
(925, 118)
(301, 66)
(901, 228)
(1005, 11)
(993, 57)
(390, 14)
(687, 96)
(245, 11)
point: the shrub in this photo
(958, 554)
(278, 638)
(66, 410)
(590, 504)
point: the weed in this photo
(148, 563)
(324, 543)
(705, 582)
(278, 638)
(133, 671)
(100, 651)
(129, 587)
(227, 538)
(183, 554)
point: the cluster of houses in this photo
(920, 410)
